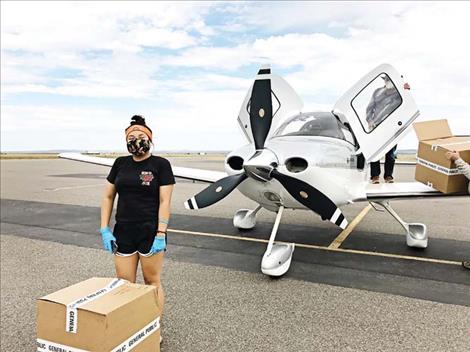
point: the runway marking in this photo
(323, 248)
(71, 187)
(345, 233)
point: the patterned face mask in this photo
(138, 146)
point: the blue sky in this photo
(73, 73)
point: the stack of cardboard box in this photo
(432, 166)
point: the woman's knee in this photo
(151, 269)
(153, 280)
(126, 276)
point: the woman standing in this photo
(144, 183)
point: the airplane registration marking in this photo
(345, 233)
(312, 246)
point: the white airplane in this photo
(314, 161)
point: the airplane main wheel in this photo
(244, 219)
(417, 236)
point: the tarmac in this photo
(367, 292)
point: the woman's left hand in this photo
(453, 155)
(159, 244)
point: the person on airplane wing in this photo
(384, 101)
(464, 169)
(144, 183)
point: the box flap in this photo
(432, 129)
(72, 293)
(459, 143)
(104, 304)
(118, 298)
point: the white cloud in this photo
(42, 26)
(322, 48)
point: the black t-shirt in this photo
(137, 184)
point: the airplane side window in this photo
(377, 101)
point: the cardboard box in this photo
(432, 167)
(99, 314)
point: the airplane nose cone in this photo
(260, 165)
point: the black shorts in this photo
(135, 237)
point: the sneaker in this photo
(375, 180)
(466, 264)
(389, 179)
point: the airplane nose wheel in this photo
(278, 256)
(416, 233)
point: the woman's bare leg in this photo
(126, 266)
(151, 270)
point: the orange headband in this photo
(139, 128)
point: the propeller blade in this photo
(215, 192)
(312, 198)
(261, 109)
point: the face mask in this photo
(138, 146)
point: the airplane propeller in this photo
(215, 192)
(261, 116)
(312, 198)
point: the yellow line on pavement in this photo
(345, 233)
(323, 248)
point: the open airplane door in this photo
(285, 102)
(378, 109)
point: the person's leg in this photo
(389, 163)
(126, 266)
(126, 258)
(375, 171)
(151, 271)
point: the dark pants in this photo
(389, 164)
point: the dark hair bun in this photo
(137, 120)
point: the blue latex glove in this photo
(107, 237)
(159, 244)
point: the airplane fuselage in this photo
(328, 164)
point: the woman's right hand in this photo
(107, 237)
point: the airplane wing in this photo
(404, 190)
(180, 172)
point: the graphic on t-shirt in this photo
(146, 177)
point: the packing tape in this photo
(48, 346)
(435, 146)
(438, 168)
(127, 345)
(138, 337)
(71, 318)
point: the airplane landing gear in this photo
(278, 256)
(416, 233)
(245, 218)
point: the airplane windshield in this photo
(322, 124)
